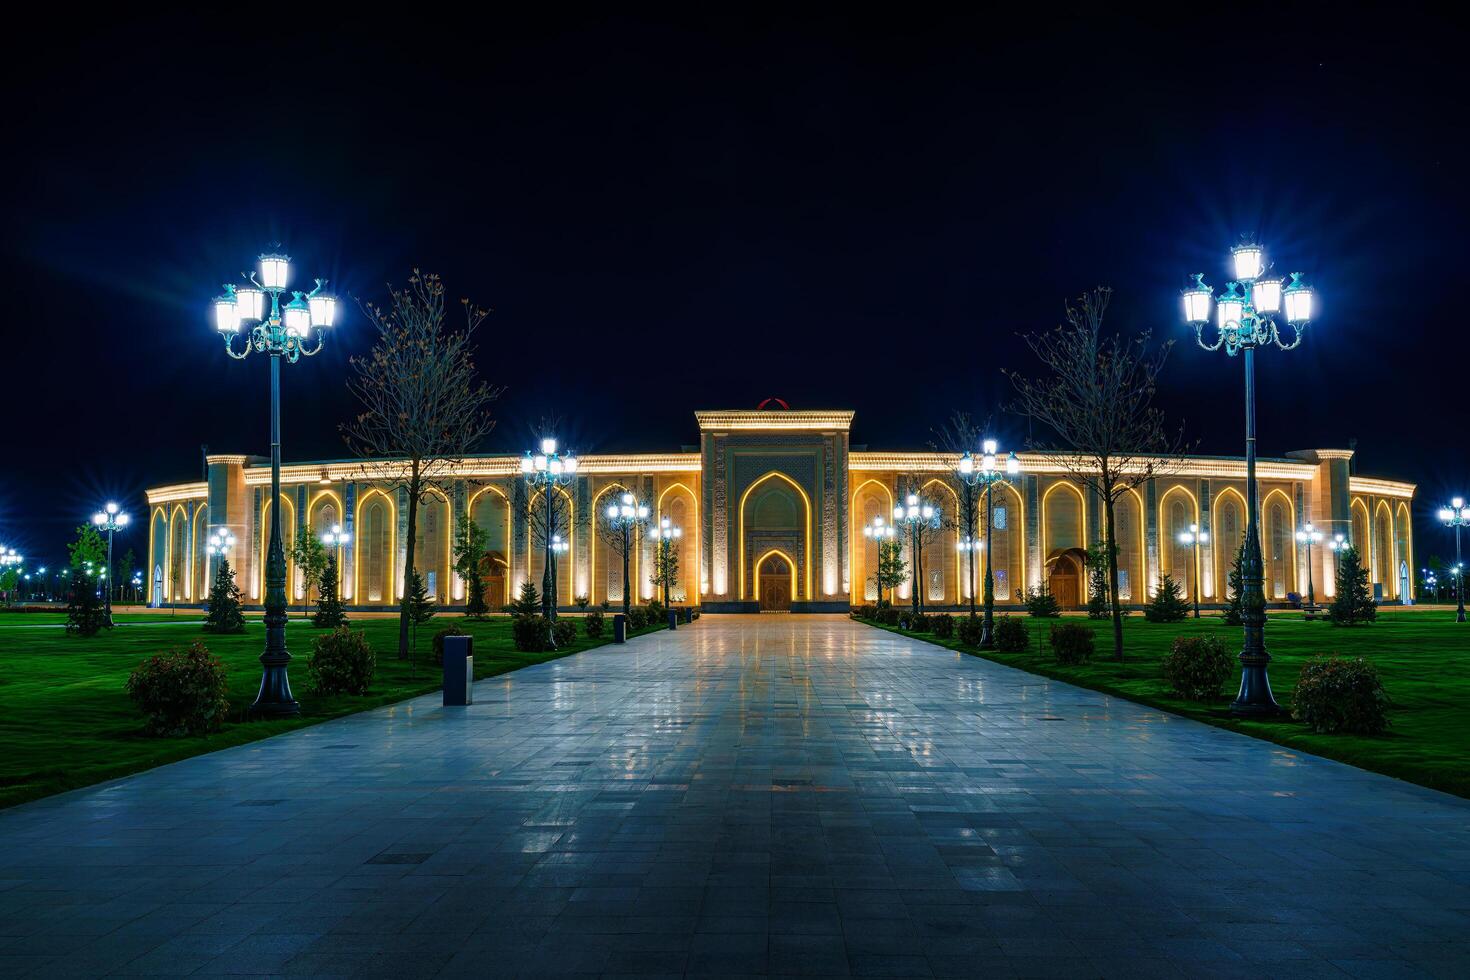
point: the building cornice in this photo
(177, 492)
(816, 420)
(1381, 488)
(1056, 464)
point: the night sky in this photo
(679, 214)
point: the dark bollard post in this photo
(459, 671)
(673, 619)
(620, 628)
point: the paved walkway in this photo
(784, 794)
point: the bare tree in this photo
(547, 511)
(423, 405)
(921, 531)
(960, 434)
(623, 533)
(1097, 401)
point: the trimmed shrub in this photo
(564, 631)
(1197, 667)
(438, 642)
(637, 618)
(1168, 604)
(914, 622)
(1041, 603)
(342, 662)
(592, 623)
(969, 630)
(888, 616)
(181, 692)
(1011, 634)
(531, 634)
(657, 611)
(865, 612)
(1336, 695)
(1071, 643)
(942, 625)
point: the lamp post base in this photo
(274, 699)
(1255, 699)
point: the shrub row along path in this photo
(749, 794)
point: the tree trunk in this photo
(1110, 542)
(627, 580)
(413, 527)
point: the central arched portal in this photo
(1064, 577)
(775, 578)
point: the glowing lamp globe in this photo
(250, 302)
(226, 316)
(323, 308)
(1250, 262)
(526, 464)
(1197, 301)
(1013, 464)
(612, 512)
(1446, 514)
(570, 463)
(1298, 299)
(274, 270)
(99, 518)
(989, 446)
(297, 318)
(123, 520)
(1266, 295)
(1229, 308)
(548, 446)
(967, 463)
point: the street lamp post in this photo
(916, 514)
(1457, 515)
(281, 332)
(1309, 536)
(1194, 537)
(1245, 319)
(9, 558)
(221, 543)
(988, 475)
(624, 517)
(110, 519)
(544, 471)
(664, 537)
(879, 532)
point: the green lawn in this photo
(66, 720)
(1422, 658)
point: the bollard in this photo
(459, 671)
(620, 628)
(673, 619)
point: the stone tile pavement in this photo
(750, 795)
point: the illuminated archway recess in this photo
(814, 492)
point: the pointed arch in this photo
(1059, 539)
(443, 561)
(1130, 562)
(1361, 538)
(539, 553)
(790, 563)
(1404, 540)
(176, 582)
(200, 560)
(361, 534)
(507, 542)
(314, 504)
(690, 569)
(1385, 563)
(1173, 555)
(288, 538)
(951, 551)
(1226, 535)
(1007, 544)
(857, 519)
(1278, 544)
(157, 545)
(806, 543)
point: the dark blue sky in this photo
(671, 215)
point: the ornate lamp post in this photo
(879, 532)
(988, 475)
(916, 514)
(280, 333)
(110, 519)
(1245, 319)
(1457, 515)
(220, 544)
(10, 559)
(336, 537)
(544, 471)
(1309, 536)
(1193, 538)
(625, 516)
(664, 537)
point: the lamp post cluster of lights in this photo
(1245, 319)
(879, 532)
(336, 537)
(1309, 535)
(10, 558)
(916, 515)
(1193, 538)
(543, 471)
(986, 475)
(110, 519)
(625, 516)
(1457, 515)
(281, 332)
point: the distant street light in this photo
(1309, 536)
(624, 517)
(987, 475)
(543, 471)
(280, 333)
(1194, 537)
(110, 519)
(664, 537)
(1245, 319)
(879, 532)
(1457, 515)
(917, 515)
